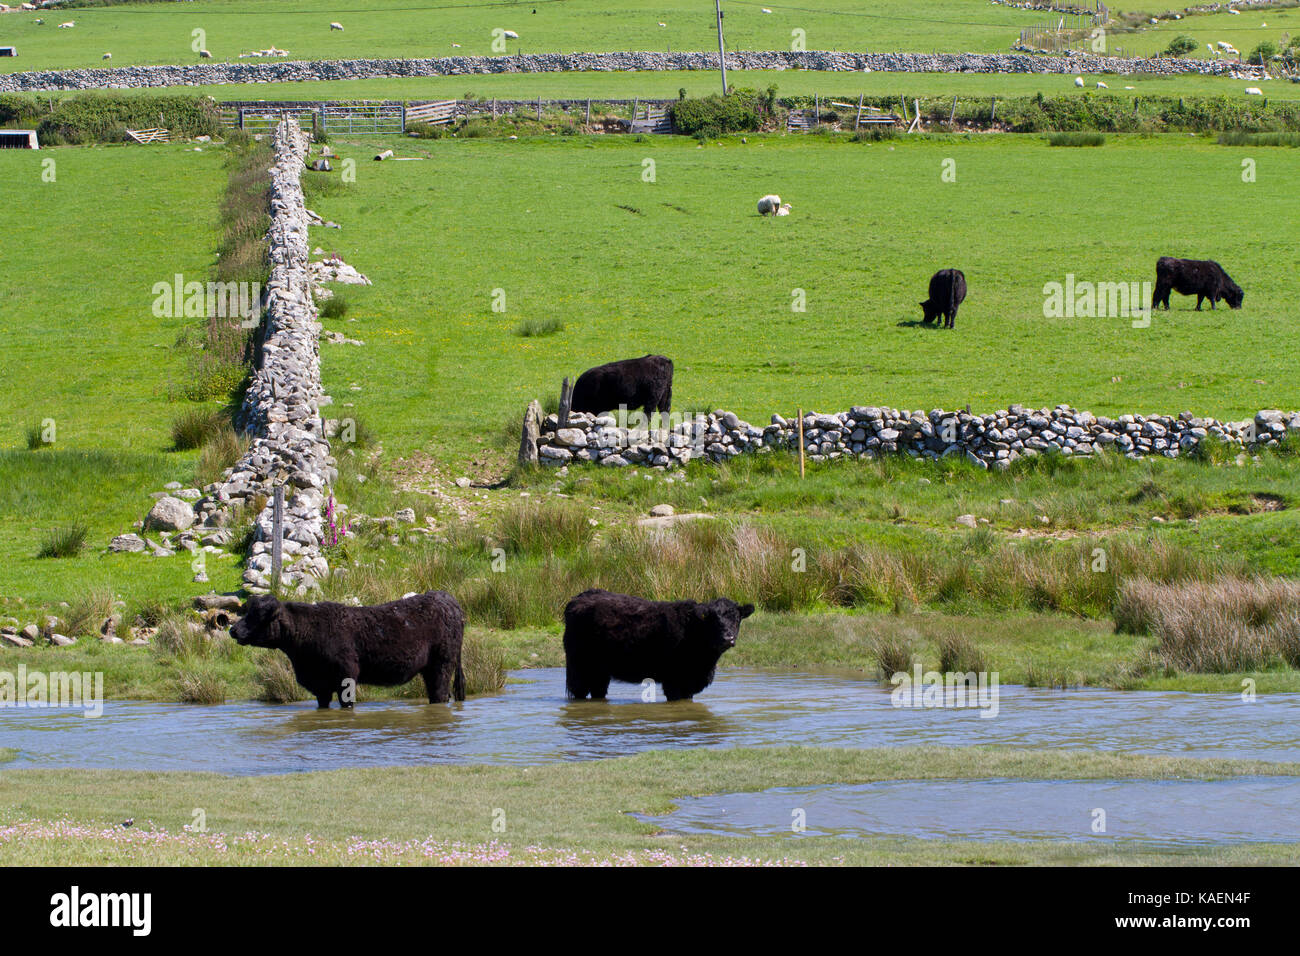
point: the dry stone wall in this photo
(203, 74)
(992, 440)
(281, 409)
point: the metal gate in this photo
(363, 118)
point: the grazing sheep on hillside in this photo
(107, 56)
(68, 26)
(1254, 91)
(1227, 47)
(770, 205)
(336, 26)
(204, 55)
(1078, 81)
(1102, 86)
(510, 34)
(784, 209)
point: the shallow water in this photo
(1165, 812)
(532, 722)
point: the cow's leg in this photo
(673, 692)
(575, 683)
(1199, 299)
(437, 680)
(323, 700)
(599, 686)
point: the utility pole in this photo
(722, 54)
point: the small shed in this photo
(18, 139)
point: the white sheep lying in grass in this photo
(1078, 81)
(336, 26)
(68, 26)
(510, 34)
(771, 205)
(1254, 91)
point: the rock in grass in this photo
(967, 521)
(169, 514)
(662, 511)
(127, 543)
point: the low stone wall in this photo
(202, 74)
(281, 408)
(992, 440)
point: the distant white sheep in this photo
(336, 26)
(68, 26)
(510, 34)
(204, 55)
(1254, 91)
(107, 56)
(1078, 81)
(771, 205)
(1102, 86)
(783, 210)
(1227, 47)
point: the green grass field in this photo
(684, 266)
(84, 349)
(575, 812)
(163, 33)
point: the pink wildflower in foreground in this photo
(250, 847)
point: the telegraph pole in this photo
(722, 54)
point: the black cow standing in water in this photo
(610, 636)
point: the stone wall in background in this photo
(202, 74)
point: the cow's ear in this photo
(746, 610)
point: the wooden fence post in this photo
(993, 113)
(952, 117)
(566, 401)
(277, 535)
(635, 103)
(801, 463)
(539, 108)
(588, 112)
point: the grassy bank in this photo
(557, 810)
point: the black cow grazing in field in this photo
(1202, 278)
(645, 383)
(947, 291)
(385, 644)
(620, 637)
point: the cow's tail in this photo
(458, 686)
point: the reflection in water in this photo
(1165, 812)
(531, 721)
(630, 726)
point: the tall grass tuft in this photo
(193, 427)
(276, 679)
(533, 328)
(200, 684)
(88, 610)
(958, 653)
(1223, 626)
(526, 526)
(894, 652)
(1077, 138)
(222, 449)
(484, 664)
(66, 541)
